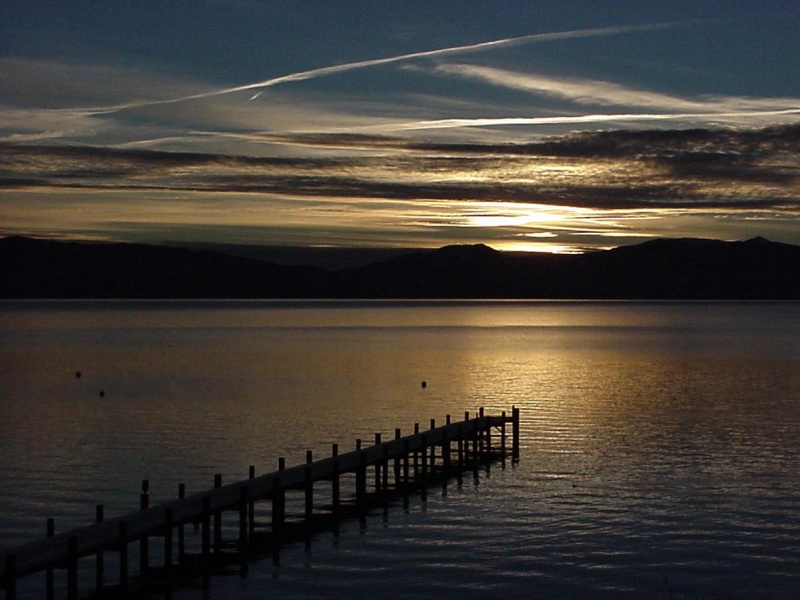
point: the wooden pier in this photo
(399, 466)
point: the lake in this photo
(659, 441)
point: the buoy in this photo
(78, 374)
(102, 394)
(424, 384)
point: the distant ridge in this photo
(658, 269)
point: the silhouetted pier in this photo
(378, 473)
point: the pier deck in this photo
(460, 445)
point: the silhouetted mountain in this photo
(658, 269)
(49, 269)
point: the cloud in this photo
(573, 89)
(738, 117)
(342, 68)
(612, 170)
(575, 94)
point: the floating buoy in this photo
(78, 374)
(424, 384)
(102, 394)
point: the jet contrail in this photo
(565, 120)
(325, 71)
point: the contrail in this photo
(325, 71)
(565, 120)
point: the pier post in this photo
(481, 435)
(446, 457)
(206, 541)
(50, 585)
(72, 568)
(144, 550)
(503, 438)
(278, 506)
(123, 554)
(217, 519)
(181, 538)
(476, 455)
(488, 449)
(168, 522)
(244, 511)
(460, 451)
(335, 484)
(243, 520)
(309, 488)
(385, 462)
(378, 465)
(416, 455)
(397, 436)
(405, 466)
(361, 479)
(11, 577)
(515, 434)
(424, 487)
(99, 570)
(433, 447)
(251, 506)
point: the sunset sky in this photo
(543, 126)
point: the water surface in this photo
(659, 440)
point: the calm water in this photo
(659, 452)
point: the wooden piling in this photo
(243, 520)
(206, 540)
(217, 518)
(385, 470)
(251, 506)
(361, 479)
(50, 586)
(336, 500)
(397, 463)
(423, 489)
(99, 569)
(144, 551)
(377, 465)
(72, 568)
(503, 437)
(278, 507)
(11, 577)
(168, 526)
(123, 554)
(181, 532)
(309, 487)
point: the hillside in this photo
(658, 269)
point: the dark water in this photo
(659, 440)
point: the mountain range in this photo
(657, 269)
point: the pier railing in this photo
(458, 446)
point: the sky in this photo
(536, 126)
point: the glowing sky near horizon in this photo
(523, 125)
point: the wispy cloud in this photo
(341, 68)
(573, 89)
(649, 169)
(719, 117)
(575, 94)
